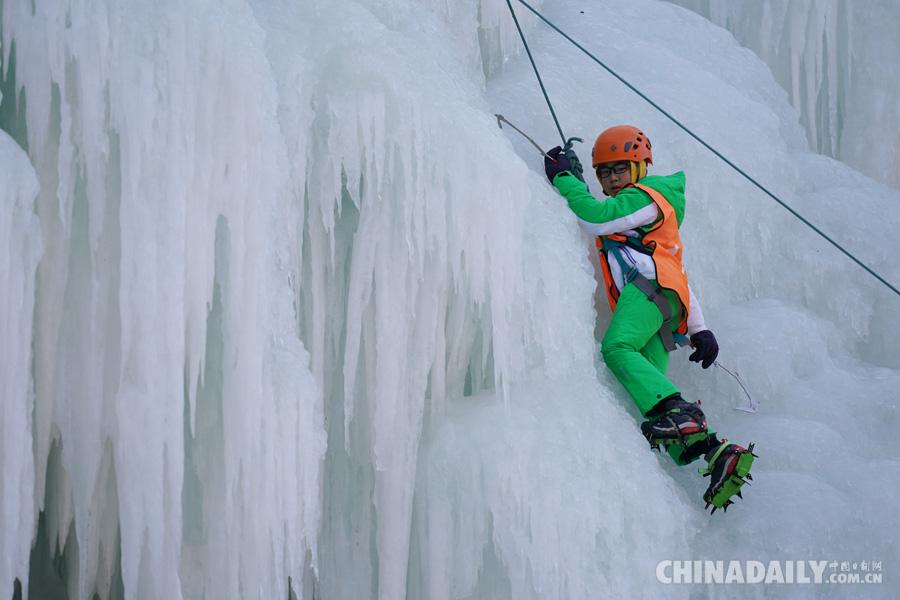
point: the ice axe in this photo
(682, 340)
(501, 120)
(754, 405)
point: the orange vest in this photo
(663, 244)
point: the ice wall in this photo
(21, 236)
(178, 432)
(303, 313)
(834, 59)
(222, 187)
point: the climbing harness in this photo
(679, 124)
(631, 274)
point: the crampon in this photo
(729, 470)
(683, 423)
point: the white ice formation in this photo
(21, 249)
(284, 312)
(836, 60)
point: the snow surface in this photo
(834, 58)
(303, 313)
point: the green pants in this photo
(633, 350)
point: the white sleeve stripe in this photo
(644, 216)
(695, 316)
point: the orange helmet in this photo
(622, 142)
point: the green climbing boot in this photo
(728, 467)
(678, 426)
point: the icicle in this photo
(21, 238)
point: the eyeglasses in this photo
(604, 172)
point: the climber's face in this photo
(614, 176)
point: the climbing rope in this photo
(536, 72)
(685, 129)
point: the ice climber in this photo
(636, 231)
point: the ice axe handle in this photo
(569, 152)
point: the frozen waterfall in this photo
(834, 58)
(284, 314)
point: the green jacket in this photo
(625, 207)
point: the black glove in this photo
(706, 348)
(560, 161)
